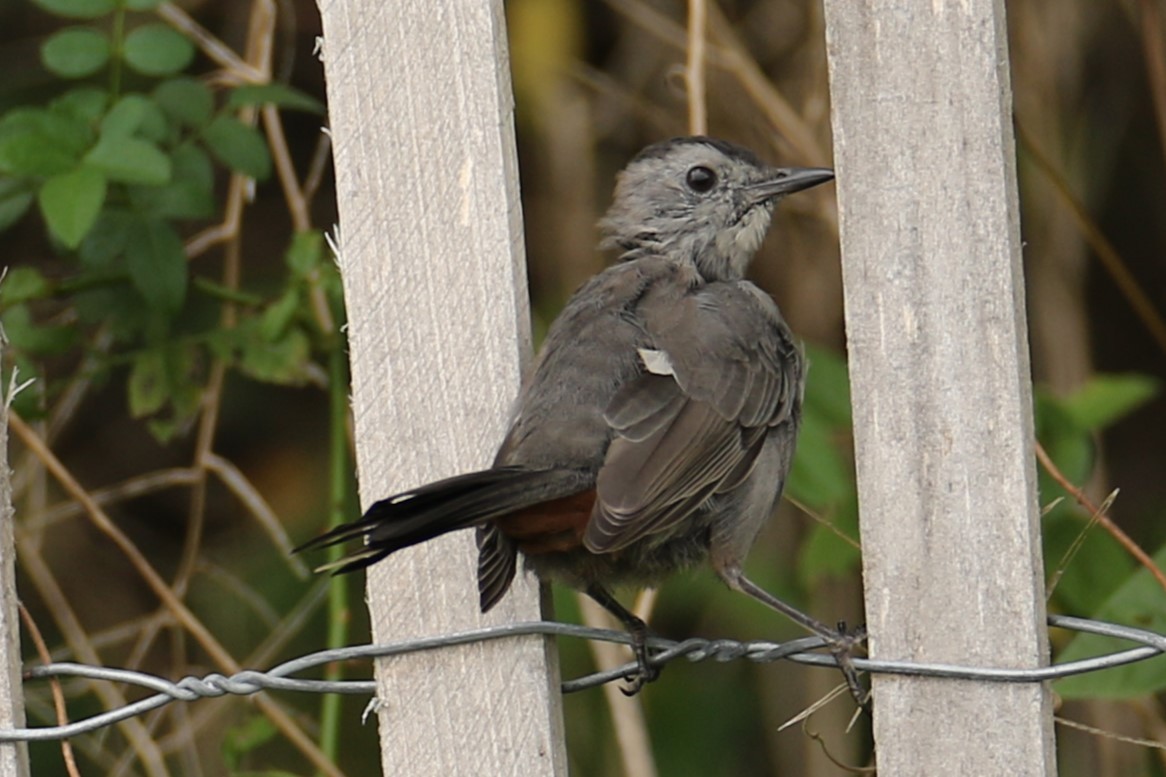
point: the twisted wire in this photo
(279, 678)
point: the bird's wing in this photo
(723, 370)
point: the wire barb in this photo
(661, 651)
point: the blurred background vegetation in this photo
(164, 190)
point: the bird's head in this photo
(699, 199)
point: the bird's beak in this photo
(781, 181)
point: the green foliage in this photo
(280, 95)
(274, 346)
(70, 203)
(75, 52)
(157, 50)
(250, 734)
(129, 160)
(189, 194)
(127, 116)
(1087, 562)
(822, 476)
(78, 9)
(1138, 602)
(33, 339)
(822, 479)
(157, 264)
(15, 198)
(238, 146)
(1095, 575)
(1106, 399)
(119, 178)
(186, 101)
(40, 142)
(21, 284)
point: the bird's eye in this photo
(701, 179)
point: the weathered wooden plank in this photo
(14, 756)
(940, 376)
(422, 122)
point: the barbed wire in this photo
(279, 678)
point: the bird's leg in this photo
(840, 641)
(637, 629)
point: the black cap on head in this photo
(732, 150)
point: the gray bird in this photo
(658, 425)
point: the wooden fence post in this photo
(940, 376)
(435, 283)
(13, 756)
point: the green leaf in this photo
(148, 386)
(70, 203)
(15, 197)
(820, 477)
(1106, 399)
(185, 100)
(330, 282)
(135, 115)
(243, 737)
(156, 262)
(238, 146)
(156, 127)
(1095, 570)
(35, 141)
(279, 315)
(75, 52)
(129, 160)
(163, 378)
(21, 284)
(188, 195)
(195, 168)
(828, 386)
(106, 241)
(142, 5)
(84, 104)
(164, 429)
(116, 306)
(77, 9)
(157, 50)
(36, 339)
(305, 253)
(1139, 602)
(826, 554)
(1067, 443)
(28, 154)
(282, 362)
(274, 94)
(223, 343)
(125, 116)
(57, 126)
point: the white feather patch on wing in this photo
(656, 362)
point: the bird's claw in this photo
(841, 647)
(644, 673)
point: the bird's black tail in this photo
(460, 502)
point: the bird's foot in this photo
(840, 641)
(841, 646)
(645, 671)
